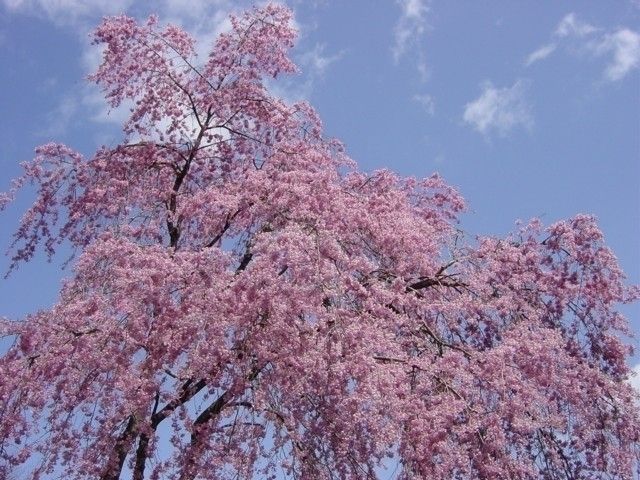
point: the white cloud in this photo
(624, 45)
(427, 102)
(317, 62)
(410, 26)
(499, 109)
(68, 12)
(203, 19)
(58, 120)
(314, 64)
(571, 26)
(409, 31)
(568, 29)
(192, 9)
(582, 39)
(98, 110)
(540, 54)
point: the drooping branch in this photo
(442, 343)
(173, 226)
(141, 457)
(123, 444)
(189, 389)
(440, 281)
(223, 230)
(120, 451)
(207, 414)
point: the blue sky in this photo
(529, 109)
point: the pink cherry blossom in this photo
(245, 303)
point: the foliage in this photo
(247, 304)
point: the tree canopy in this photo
(246, 303)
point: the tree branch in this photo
(120, 450)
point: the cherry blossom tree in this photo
(245, 303)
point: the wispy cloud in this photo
(58, 120)
(317, 61)
(410, 30)
(540, 54)
(411, 25)
(67, 12)
(97, 109)
(621, 45)
(193, 9)
(624, 48)
(427, 102)
(314, 64)
(571, 26)
(499, 110)
(204, 19)
(568, 29)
